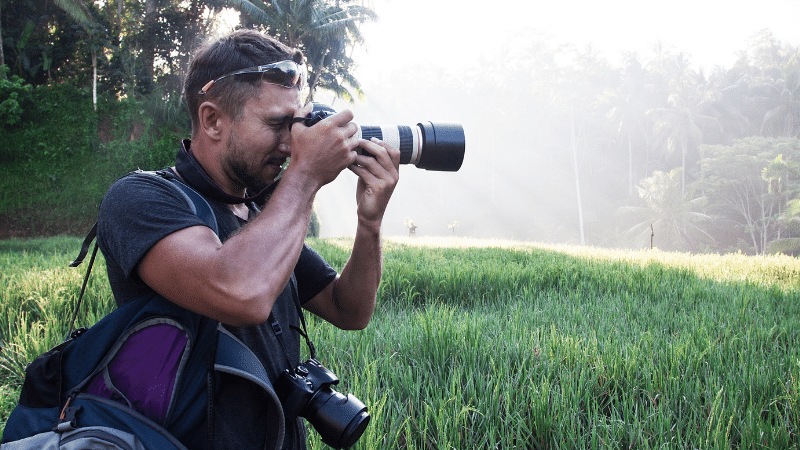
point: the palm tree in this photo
(772, 79)
(732, 103)
(670, 215)
(778, 175)
(2, 57)
(80, 13)
(790, 245)
(784, 118)
(627, 112)
(678, 129)
(322, 29)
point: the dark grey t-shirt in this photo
(141, 209)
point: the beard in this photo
(248, 173)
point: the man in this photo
(244, 92)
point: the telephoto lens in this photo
(428, 145)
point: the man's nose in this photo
(285, 149)
(285, 144)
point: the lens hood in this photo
(443, 146)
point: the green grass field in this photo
(490, 344)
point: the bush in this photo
(48, 122)
(14, 93)
(61, 155)
(142, 133)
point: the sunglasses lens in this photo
(285, 73)
(280, 77)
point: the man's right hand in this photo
(322, 151)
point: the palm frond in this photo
(77, 11)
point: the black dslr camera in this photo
(428, 145)
(306, 392)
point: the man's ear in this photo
(212, 120)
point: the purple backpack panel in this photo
(144, 368)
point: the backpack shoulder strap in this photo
(197, 203)
(233, 357)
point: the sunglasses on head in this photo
(288, 74)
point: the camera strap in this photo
(304, 332)
(276, 328)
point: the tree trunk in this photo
(683, 173)
(94, 79)
(574, 141)
(148, 45)
(312, 83)
(630, 166)
(2, 57)
(190, 36)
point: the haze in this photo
(434, 59)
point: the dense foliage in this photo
(60, 155)
(492, 344)
(90, 91)
(139, 46)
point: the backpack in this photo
(130, 381)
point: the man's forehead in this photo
(278, 101)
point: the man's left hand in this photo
(377, 176)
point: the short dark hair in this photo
(216, 57)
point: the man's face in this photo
(258, 142)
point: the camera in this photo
(427, 145)
(306, 392)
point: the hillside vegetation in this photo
(491, 344)
(59, 156)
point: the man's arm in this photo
(349, 301)
(237, 282)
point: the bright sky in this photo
(711, 31)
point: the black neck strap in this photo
(189, 168)
(276, 328)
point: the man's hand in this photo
(322, 151)
(349, 302)
(378, 175)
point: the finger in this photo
(385, 154)
(393, 152)
(341, 118)
(305, 110)
(372, 172)
(371, 148)
(301, 115)
(363, 173)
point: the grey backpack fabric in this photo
(95, 438)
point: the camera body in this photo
(428, 145)
(306, 392)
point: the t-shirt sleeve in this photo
(313, 274)
(136, 213)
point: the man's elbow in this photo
(241, 316)
(355, 322)
(244, 307)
